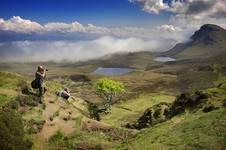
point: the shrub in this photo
(29, 100)
(57, 136)
(4, 99)
(109, 90)
(12, 135)
(13, 104)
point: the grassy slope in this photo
(8, 86)
(189, 131)
(129, 110)
(197, 131)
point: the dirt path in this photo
(62, 117)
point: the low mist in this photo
(72, 51)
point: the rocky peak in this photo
(208, 33)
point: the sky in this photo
(75, 30)
(98, 12)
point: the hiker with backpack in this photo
(64, 94)
(38, 83)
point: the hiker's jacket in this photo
(39, 78)
(64, 94)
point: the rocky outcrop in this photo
(164, 111)
(187, 101)
(153, 115)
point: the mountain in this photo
(208, 41)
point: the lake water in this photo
(164, 59)
(111, 71)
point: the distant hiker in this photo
(64, 93)
(38, 83)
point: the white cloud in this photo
(64, 27)
(189, 13)
(168, 28)
(18, 24)
(74, 27)
(154, 6)
(81, 50)
(201, 7)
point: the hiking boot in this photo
(44, 90)
(41, 99)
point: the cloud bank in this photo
(26, 51)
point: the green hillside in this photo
(193, 129)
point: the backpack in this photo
(34, 84)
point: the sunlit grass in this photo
(131, 109)
(197, 131)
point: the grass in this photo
(78, 121)
(198, 131)
(129, 110)
(221, 79)
(188, 131)
(94, 140)
(56, 113)
(217, 95)
(9, 80)
(53, 86)
(8, 86)
(4, 99)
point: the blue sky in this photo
(99, 12)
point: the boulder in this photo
(187, 101)
(153, 115)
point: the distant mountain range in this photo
(208, 41)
